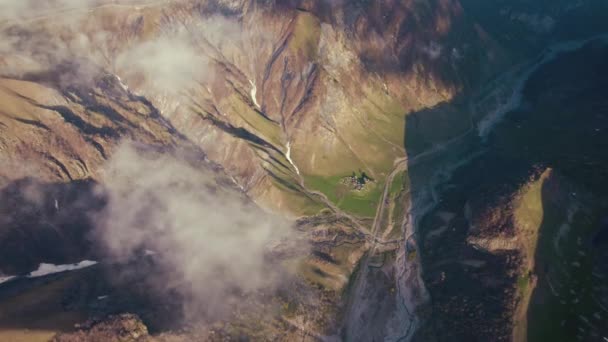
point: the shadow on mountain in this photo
(465, 219)
(52, 223)
(432, 41)
(569, 266)
(570, 256)
(45, 222)
(471, 289)
(59, 301)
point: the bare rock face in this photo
(330, 82)
(276, 92)
(56, 132)
(246, 81)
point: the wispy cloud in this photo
(169, 63)
(212, 242)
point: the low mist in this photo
(212, 244)
(169, 64)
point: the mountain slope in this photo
(344, 116)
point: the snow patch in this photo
(237, 183)
(288, 156)
(254, 92)
(122, 84)
(5, 279)
(46, 269)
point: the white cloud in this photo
(168, 64)
(211, 241)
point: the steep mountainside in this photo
(347, 118)
(514, 247)
(249, 82)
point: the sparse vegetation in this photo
(306, 35)
(523, 283)
(351, 278)
(289, 309)
(362, 203)
(411, 255)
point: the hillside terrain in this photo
(304, 169)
